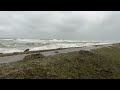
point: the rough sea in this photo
(19, 45)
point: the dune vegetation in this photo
(102, 63)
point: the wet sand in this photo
(14, 58)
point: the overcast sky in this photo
(79, 25)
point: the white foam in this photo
(19, 45)
(6, 39)
(64, 45)
(10, 50)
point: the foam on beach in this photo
(19, 45)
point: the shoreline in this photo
(20, 56)
(37, 51)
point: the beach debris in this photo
(27, 50)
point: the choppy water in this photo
(19, 45)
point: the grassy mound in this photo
(101, 63)
(33, 56)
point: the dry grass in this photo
(101, 63)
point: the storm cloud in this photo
(79, 25)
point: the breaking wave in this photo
(19, 45)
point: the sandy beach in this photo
(14, 58)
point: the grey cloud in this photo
(71, 24)
(60, 25)
(109, 28)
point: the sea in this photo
(20, 45)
